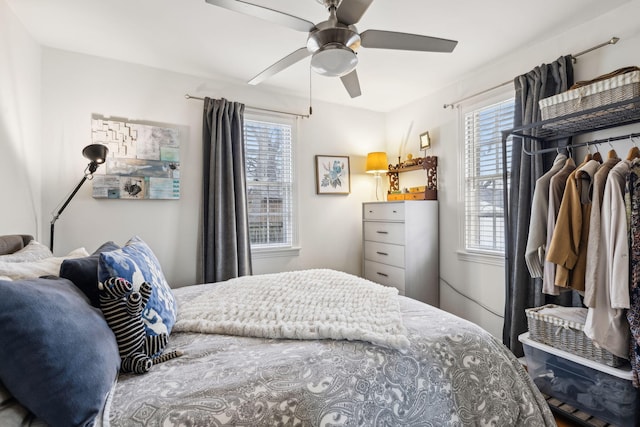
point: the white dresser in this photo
(401, 247)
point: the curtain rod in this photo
(305, 116)
(612, 40)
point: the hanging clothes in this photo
(633, 314)
(537, 240)
(596, 266)
(568, 249)
(606, 323)
(557, 186)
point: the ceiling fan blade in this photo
(350, 11)
(351, 83)
(267, 14)
(287, 61)
(403, 41)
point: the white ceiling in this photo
(193, 37)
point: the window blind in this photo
(483, 192)
(269, 170)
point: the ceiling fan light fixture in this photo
(334, 60)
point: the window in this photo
(483, 180)
(270, 188)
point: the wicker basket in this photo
(621, 87)
(568, 336)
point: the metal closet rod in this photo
(612, 40)
(305, 116)
(583, 144)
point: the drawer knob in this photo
(382, 274)
(382, 232)
(382, 253)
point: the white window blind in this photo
(269, 169)
(483, 192)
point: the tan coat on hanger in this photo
(568, 249)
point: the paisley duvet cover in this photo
(453, 374)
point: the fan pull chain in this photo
(310, 77)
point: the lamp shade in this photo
(377, 162)
(96, 153)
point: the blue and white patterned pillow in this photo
(136, 263)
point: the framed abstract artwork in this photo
(333, 175)
(143, 161)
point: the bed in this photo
(416, 366)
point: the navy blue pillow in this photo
(83, 272)
(58, 356)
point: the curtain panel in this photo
(523, 291)
(225, 244)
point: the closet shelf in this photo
(600, 118)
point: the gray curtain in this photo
(522, 291)
(226, 250)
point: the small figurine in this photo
(409, 161)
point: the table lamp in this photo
(377, 164)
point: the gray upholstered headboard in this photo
(13, 242)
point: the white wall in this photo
(19, 127)
(76, 86)
(484, 282)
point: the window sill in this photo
(497, 260)
(275, 252)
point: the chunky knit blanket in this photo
(307, 304)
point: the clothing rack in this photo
(304, 116)
(570, 125)
(583, 144)
(612, 40)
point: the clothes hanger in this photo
(597, 156)
(612, 152)
(570, 154)
(634, 152)
(562, 151)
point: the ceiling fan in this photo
(332, 44)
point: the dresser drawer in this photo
(383, 211)
(385, 253)
(385, 232)
(385, 275)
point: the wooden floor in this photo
(568, 416)
(563, 422)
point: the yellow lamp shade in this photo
(377, 162)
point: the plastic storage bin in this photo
(599, 390)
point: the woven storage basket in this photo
(621, 87)
(568, 336)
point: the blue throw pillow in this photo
(136, 263)
(83, 272)
(58, 356)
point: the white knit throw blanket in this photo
(307, 304)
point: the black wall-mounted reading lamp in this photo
(97, 153)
